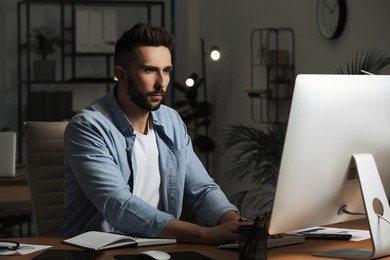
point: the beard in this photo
(140, 99)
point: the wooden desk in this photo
(14, 190)
(15, 203)
(210, 251)
(292, 252)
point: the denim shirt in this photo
(100, 164)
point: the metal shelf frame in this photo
(66, 11)
(278, 67)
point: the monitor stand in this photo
(377, 211)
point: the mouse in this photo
(154, 254)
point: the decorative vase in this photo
(44, 70)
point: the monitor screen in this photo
(332, 117)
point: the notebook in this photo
(97, 240)
(7, 154)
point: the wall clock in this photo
(331, 17)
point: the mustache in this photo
(158, 92)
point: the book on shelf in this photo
(50, 106)
(98, 240)
(95, 30)
(82, 30)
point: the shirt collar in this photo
(120, 119)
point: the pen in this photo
(310, 230)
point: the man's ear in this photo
(120, 74)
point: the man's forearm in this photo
(183, 231)
(187, 232)
(229, 216)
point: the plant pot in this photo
(44, 70)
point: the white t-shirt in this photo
(147, 180)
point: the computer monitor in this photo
(333, 118)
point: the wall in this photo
(8, 59)
(230, 28)
(42, 14)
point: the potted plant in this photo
(258, 153)
(257, 159)
(43, 44)
(196, 116)
(371, 61)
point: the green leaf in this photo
(258, 153)
(372, 61)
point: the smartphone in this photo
(328, 236)
(54, 254)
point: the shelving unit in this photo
(272, 74)
(68, 59)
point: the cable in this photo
(343, 209)
(382, 217)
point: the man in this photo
(129, 161)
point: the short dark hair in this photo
(141, 34)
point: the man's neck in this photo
(136, 115)
(139, 122)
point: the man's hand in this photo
(223, 233)
(186, 232)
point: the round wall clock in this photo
(331, 17)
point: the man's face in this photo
(148, 76)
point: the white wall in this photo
(228, 23)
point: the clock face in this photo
(331, 17)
